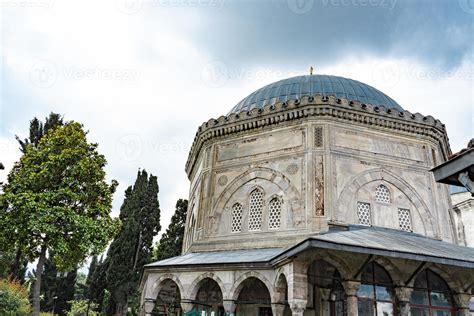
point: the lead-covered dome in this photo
(310, 85)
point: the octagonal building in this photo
(314, 196)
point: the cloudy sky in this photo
(142, 75)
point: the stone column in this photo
(403, 295)
(351, 288)
(229, 307)
(278, 309)
(462, 303)
(148, 307)
(297, 307)
(186, 305)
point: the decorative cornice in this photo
(322, 106)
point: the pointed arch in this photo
(349, 192)
(291, 195)
(239, 283)
(194, 288)
(158, 284)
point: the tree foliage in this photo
(171, 242)
(38, 129)
(13, 298)
(18, 263)
(57, 198)
(132, 249)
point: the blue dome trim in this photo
(310, 85)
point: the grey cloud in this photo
(325, 31)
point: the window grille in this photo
(236, 225)
(274, 216)
(382, 194)
(255, 210)
(318, 137)
(404, 219)
(363, 213)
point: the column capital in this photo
(298, 306)
(278, 309)
(462, 300)
(148, 306)
(403, 294)
(351, 287)
(229, 306)
(186, 305)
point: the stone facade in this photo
(463, 206)
(274, 177)
(320, 158)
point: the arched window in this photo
(431, 295)
(274, 214)
(382, 194)
(255, 210)
(375, 293)
(236, 225)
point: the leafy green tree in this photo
(57, 198)
(37, 129)
(171, 241)
(132, 249)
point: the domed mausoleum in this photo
(314, 196)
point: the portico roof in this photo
(356, 239)
(390, 243)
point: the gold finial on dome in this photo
(311, 70)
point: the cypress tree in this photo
(90, 274)
(57, 289)
(171, 241)
(132, 248)
(97, 284)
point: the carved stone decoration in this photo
(292, 169)
(222, 180)
(319, 186)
